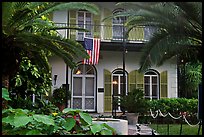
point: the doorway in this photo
(84, 88)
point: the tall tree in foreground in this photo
(27, 32)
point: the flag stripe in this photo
(92, 46)
(97, 51)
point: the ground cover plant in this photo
(69, 121)
(174, 129)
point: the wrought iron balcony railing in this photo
(138, 34)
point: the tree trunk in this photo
(5, 81)
(5, 84)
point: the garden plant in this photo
(69, 121)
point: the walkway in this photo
(140, 129)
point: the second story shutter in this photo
(96, 26)
(108, 25)
(72, 23)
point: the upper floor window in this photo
(84, 20)
(148, 32)
(151, 84)
(118, 23)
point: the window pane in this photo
(154, 80)
(77, 89)
(147, 90)
(78, 70)
(115, 86)
(147, 80)
(88, 16)
(150, 73)
(154, 90)
(80, 16)
(89, 103)
(122, 80)
(77, 103)
(121, 89)
(89, 90)
(117, 31)
(80, 36)
(89, 69)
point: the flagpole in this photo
(67, 71)
(124, 46)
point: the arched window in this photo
(118, 83)
(151, 84)
(84, 88)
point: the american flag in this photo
(92, 46)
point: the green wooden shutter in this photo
(140, 80)
(107, 91)
(136, 80)
(163, 84)
(96, 27)
(72, 22)
(132, 80)
(108, 25)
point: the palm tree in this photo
(190, 78)
(26, 31)
(178, 34)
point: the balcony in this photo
(140, 34)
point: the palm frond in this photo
(178, 29)
(65, 50)
(191, 10)
(7, 8)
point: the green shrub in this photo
(134, 102)
(175, 106)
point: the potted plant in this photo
(59, 97)
(135, 104)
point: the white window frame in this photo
(150, 84)
(84, 26)
(119, 79)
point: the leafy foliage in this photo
(28, 32)
(59, 95)
(190, 78)
(29, 78)
(134, 102)
(69, 121)
(175, 105)
(5, 94)
(178, 30)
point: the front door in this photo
(83, 87)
